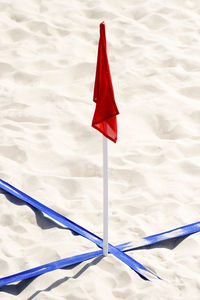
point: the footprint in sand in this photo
(152, 158)
(4, 266)
(190, 149)
(11, 127)
(23, 116)
(169, 129)
(5, 69)
(98, 13)
(13, 106)
(190, 168)
(24, 78)
(123, 279)
(14, 153)
(6, 220)
(190, 65)
(17, 17)
(155, 22)
(191, 92)
(37, 26)
(195, 116)
(137, 13)
(18, 34)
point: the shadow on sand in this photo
(47, 223)
(16, 289)
(43, 221)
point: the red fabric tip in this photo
(104, 118)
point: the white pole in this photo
(105, 196)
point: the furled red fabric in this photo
(104, 118)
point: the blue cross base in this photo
(118, 251)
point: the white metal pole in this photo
(105, 196)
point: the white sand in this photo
(48, 149)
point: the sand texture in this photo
(48, 149)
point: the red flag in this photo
(104, 118)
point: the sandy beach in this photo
(48, 149)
